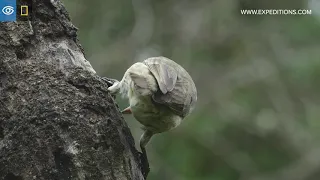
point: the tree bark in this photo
(57, 120)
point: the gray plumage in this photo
(161, 94)
(178, 90)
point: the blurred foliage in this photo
(258, 110)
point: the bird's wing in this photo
(174, 92)
(177, 100)
(165, 75)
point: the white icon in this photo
(8, 10)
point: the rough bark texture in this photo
(57, 121)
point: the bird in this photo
(161, 94)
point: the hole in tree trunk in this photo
(11, 176)
(1, 133)
(63, 164)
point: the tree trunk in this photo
(57, 120)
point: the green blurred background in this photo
(258, 110)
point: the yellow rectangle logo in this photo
(24, 11)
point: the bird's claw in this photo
(114, 88)
(111, 85)
(109, 81)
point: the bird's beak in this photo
(126, 111)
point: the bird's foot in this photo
(144, 164)
(109, 81)
(112, 85)
(114, 88)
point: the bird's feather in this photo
(176, 92)
(165, 75)
(139, 81)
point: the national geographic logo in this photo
(24, 10)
